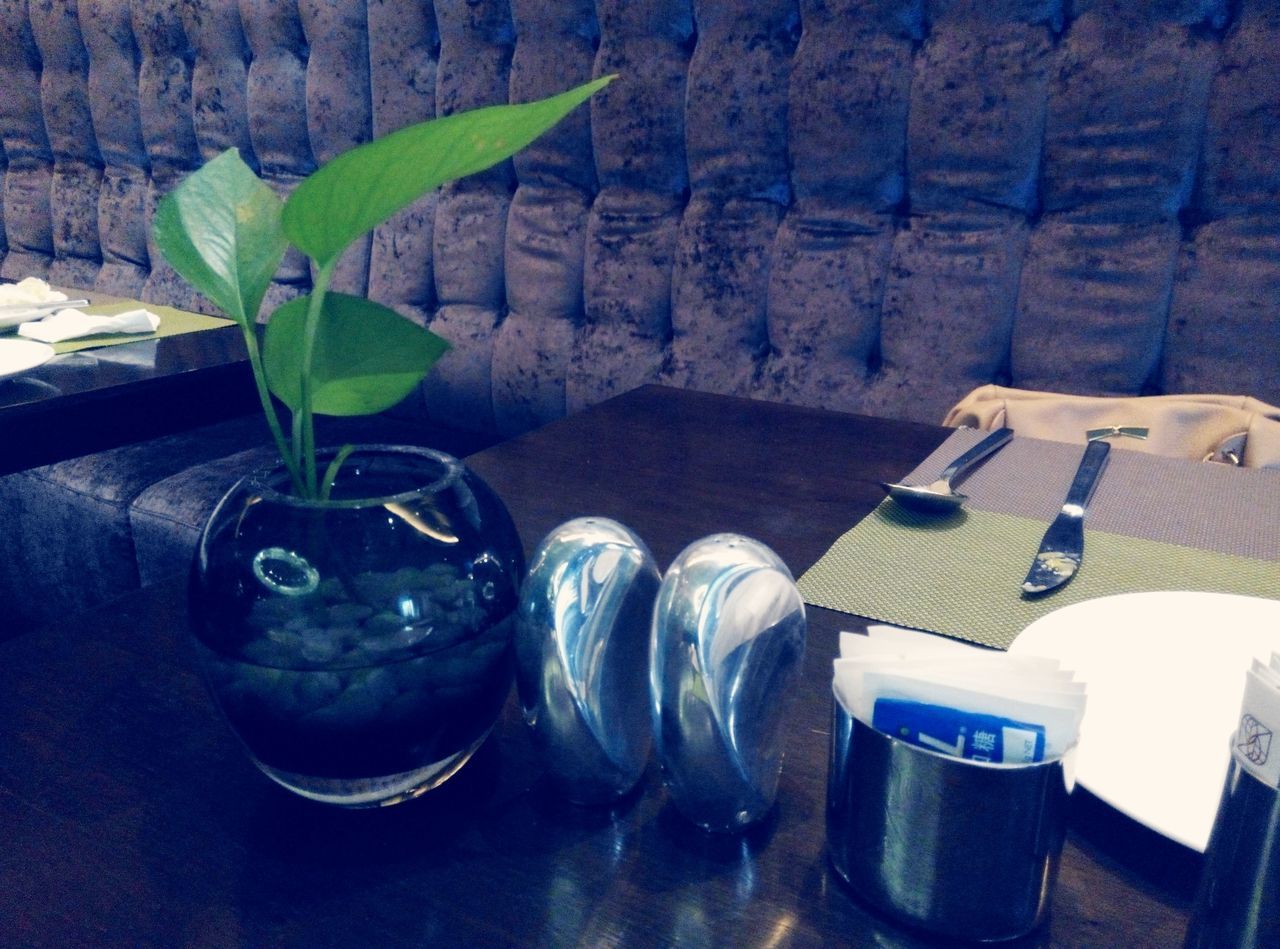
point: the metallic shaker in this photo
(582, 649)
(965, 850)
(1238, 903)
(727, 648)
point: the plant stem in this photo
(305, 423)
(331, 473)
(249, 330)
(296, 435)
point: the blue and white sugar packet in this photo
(959, 733)
(966, 701)
(1256, 744)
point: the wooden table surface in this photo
(130, 815)
(95, 399)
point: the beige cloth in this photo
(1225, 428)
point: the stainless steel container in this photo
(1239, 899)
(966, 850)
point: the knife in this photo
(1063, 546)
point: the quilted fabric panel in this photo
(735, 134)
(339, 109)
(29, 175)
(947, 315)
(1228, 283)
(1227, 291)
(107, 32)
(546, 230)
(638, 132)
(219, 77)
(848, 105)
(555, 48)
(976, 145)
(871, 205)
(476, 44)
(275, 96)
(973, 161)
(168, 128)
(1126, 108)
(77, 166)
(1126, 114)
(404, 49)
(1091, 315)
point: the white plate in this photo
(1165, 673)
(21, 355)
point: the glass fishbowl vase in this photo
(360, 647)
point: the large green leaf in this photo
(367, 357)
(220, 230)
(361, 188)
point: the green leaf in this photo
(220, 230)
(367, 357)
(361, 188)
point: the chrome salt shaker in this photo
(727, 649)
(582, 656)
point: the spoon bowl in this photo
(941, 497)
(936, 498)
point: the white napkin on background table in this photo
(72, 324)
(29, 290)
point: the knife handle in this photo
(1086, 479)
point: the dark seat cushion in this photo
(94, 527)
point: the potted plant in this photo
(352, 608)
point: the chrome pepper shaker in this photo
(582, 640)
(727, 648)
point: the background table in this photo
(131, 815)
(92, 400)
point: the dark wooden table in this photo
(96, 399)
(130, 816)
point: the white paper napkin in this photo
(72, 324)
(905, 665)
(29, 290)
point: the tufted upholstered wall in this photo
(872, 205)
(867, 204)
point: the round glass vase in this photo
(361, 647)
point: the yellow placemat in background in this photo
(961, 576)
(173, 322)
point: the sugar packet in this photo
(961, 700)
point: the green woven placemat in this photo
(172, 323)
(961, 576)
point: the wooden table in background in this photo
(130, 815)
(97, 399)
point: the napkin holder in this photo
(965, 850)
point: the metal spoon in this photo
(940, 497)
